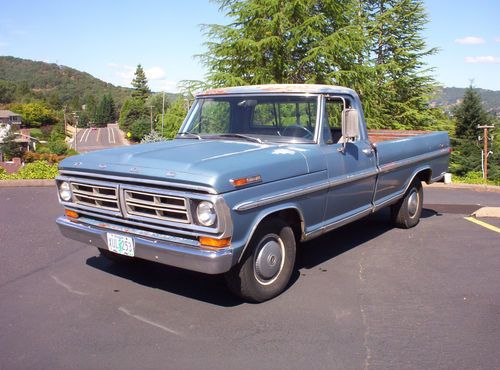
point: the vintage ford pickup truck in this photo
(253, 171)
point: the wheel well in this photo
(424, 175)
(291, 217)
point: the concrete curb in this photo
(476, 187)
(487, 212)
(25, 183)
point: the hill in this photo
(47, 80)
(448, 97)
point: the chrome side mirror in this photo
(350, 127)
(350, 124)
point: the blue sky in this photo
(109, 38)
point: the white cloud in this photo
(124, 73)
(164, 85)
(485, 59)
(155, 73)
(470, 40)
(497, 39)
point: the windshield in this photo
(286, 118)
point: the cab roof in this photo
(280, 88)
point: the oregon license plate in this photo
(121, 244)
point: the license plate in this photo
(121, 244)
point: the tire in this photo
(406, 212)
(267, 265)
(115, 257)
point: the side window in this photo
(332, 120)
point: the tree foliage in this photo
(140, 84)
(466, 156)
(173, 119)
(35, 114)
(373, 46)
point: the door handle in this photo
(368, 151)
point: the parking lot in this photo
(365, 296)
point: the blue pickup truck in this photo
(253, 171)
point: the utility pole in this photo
(151, 117)
(485, 149)
(162, 113)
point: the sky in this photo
(109, 38)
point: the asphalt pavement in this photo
(365, 296)
(90, 139)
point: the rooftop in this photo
(280, 88)
(7, 113)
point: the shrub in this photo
(35, 170)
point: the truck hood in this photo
(197, 162)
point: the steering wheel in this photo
(298, 131)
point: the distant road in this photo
(99, 138)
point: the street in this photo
(365, 296)
(89, 139)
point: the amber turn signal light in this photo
(246, 180)
(214, 243)
(71, 214)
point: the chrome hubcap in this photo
(269, 259)
(413, 204)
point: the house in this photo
(8, 121)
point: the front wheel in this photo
(406, 212)
(267, 265)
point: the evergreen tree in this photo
(278, 41)
(401, 83)
(372, 46)
(174, 116)
(466, 156)
(469, 114)
(140, 84)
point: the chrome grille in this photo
(158, 206)
(98, 196)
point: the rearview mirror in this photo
(350, 124)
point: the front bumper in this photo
(161, 251)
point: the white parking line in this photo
(85, 135)
(111, 135)
(147, 321)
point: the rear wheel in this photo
(406, 212)
(267, 265)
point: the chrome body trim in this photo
(334, 225)
(245, 206)
(409, 161)
(337, 181)
(173, 252)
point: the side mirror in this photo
(350, 124)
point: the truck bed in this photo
(376, 136)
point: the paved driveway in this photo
(366, 296)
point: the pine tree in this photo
(373, 46)
(140, 84)
(278, 41)
(401, 83)
(470, 113)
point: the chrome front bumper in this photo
(165, 252)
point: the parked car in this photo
(253, 171)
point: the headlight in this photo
(205, 212)
(64, 191)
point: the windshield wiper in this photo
(241, 136)
(188, 135)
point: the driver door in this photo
(351, 168)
